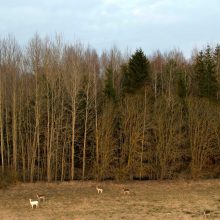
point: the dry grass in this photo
(79, 200)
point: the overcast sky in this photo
(149, 24)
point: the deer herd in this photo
(100, 190)
(35, 203)
(42, 198)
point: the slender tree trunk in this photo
(14, 129)
(63, 160)
(1, 127)
(23, 161)
(64, 140)
(73, 134)
(7, 136)
(56, 155)
(36, 132)
(85, 132)
(38, 158)
(96, 128)
(34, 149)
(63, 164)
(49, 132)
(48, 139)
(130, 153)
(22, 146)
(28, 143)
(143, 134)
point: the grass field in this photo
(79, 200)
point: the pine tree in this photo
(181, 86)
(212, 85)
(109, 89)
(199, 72)
(217, 66)
(136, 73)
(205, 74)
(217, 51)
(217, 60)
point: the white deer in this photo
(34, 203)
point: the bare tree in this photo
(132, 128)
(202, 123)
(72, 62)
(106, 141)
(169, 136)
(35, 54)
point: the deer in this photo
(126, 191)
(206, 213)
(34, 203)
(99, 189)
(41, 197)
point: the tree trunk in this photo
(96, 127)
(73, 135)
(14, 130)
(1, 126)
(85, 132)
(143, 134)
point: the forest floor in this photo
(147, 200)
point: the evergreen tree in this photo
(199, 72)
(217, 51)
(136, 73)
(109, 89)
(181, 86)
(205, 74)
(217, 60)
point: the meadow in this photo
(80, 200)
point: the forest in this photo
(70, 113)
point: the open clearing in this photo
(79, 200)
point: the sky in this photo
(127, 24)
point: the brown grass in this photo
(79, 200)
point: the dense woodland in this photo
(67, 112)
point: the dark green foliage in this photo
(217, 60)
(217, 52)
(136, 73)
(205, 75)
(181, 86)
(109, 89)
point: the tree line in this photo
(68, 113)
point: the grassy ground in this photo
(79, 200)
